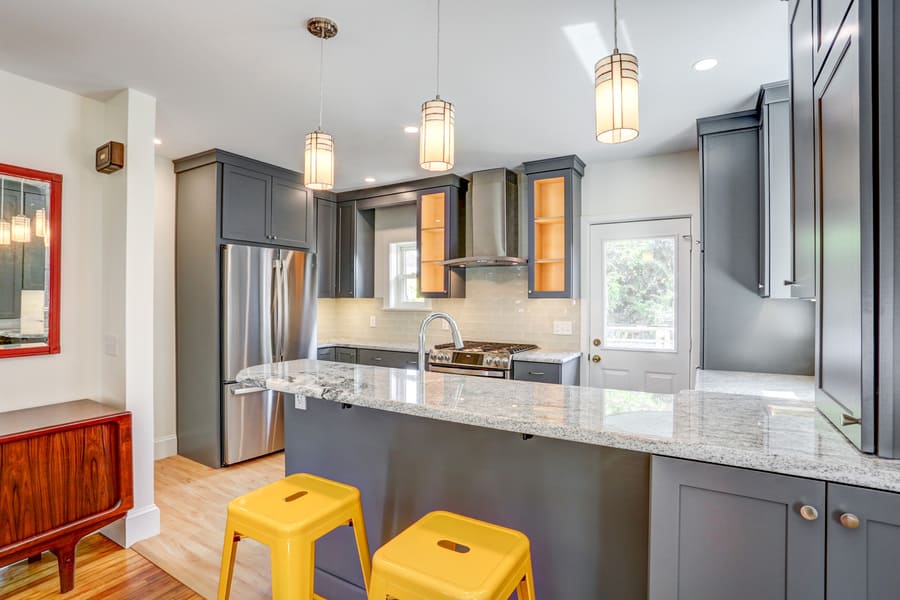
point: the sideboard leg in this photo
(65, 559)
(35, 558)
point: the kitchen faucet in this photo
(454, 330)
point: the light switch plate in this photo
(562, 327)
(110, 345)
(372, 321)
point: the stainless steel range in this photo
(484, 359)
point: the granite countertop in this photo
(768, 385)
(770, 434)
(532, 355)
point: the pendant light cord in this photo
(321, 75)
(615, 26)
(437, 69)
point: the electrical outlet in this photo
(445, 325)
(110, 345)
(299, 402)
(562, 327)
(372, 321)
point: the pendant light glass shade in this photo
(318, 171)
(616, 98)
(40, 222)
(5, 233)
(21, 229)
(436, 136)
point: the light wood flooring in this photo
(103, 569)
(192, 500)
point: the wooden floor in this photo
(103, 569)
(192, 500)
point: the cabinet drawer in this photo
(535, 371)
(383, 358)
(345, 355)
(325, 354)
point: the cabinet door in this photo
(535, 371)
(325, 354)
(346, 249)
(245, 203)
(434, 241)
(345, 355)
(862, 560)
(803, 200)
(845, 378)
(293, 215)
(385, 358)
(550, 236)
(722, 532)
(326, 247)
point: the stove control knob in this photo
(504, 362)
(490, 361)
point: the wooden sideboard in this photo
(65, 472)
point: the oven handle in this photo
(477, 372)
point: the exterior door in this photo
(640, 310)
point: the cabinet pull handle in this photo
(790, 282)
(809, 512)
(538, 373)
(849, 520)
(378, 358)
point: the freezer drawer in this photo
(253, 422)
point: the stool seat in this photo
(298, 503)
(289, 516)
(445, 556)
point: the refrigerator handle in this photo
(285, 306)
(277, 311)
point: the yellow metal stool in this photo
(444, 556)
(289, 516)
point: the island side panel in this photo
(585, 508)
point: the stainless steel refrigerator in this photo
(268, 315)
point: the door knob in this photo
(809, 512)
(596, 341)
(849, 520)
(595, 358)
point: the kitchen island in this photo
(569, 466)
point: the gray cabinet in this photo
(356, 251)
(345, 355)
(827, 17)
(326, 247)
(719, 532)
(387, 358)
(776, 232)
(441, 235)
(863, 539)
(540, 372)
(803, 200)
(845, 341)
(325, 353)
(262, 208)
(554, 212)
(772, 335)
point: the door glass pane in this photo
(639, 279)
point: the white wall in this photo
(54, 130)
(165, 442)
(656, 186)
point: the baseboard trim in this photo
(139, 524)
(164, 447)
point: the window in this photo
(403, 263)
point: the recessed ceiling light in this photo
(157, 141)
(705, 64)
(369, 180)
(411, 129)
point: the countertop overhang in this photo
(769, 434)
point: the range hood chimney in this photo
(495, 221)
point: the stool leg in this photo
(293, 570)
(362, 545)
(229, 550)
(525, 591)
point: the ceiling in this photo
(243, 75)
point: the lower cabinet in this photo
(384, 358)
(725, 532)
(325, 353)
(540, 372)
(345, 355)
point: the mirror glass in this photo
(25, 290)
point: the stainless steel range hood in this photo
(495, 221)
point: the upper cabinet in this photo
(441, 230)
(803, 201)
(554, 208)
(326, 246)
(355, 251)
(266, 205)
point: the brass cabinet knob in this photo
(596, 341)
(595, 358)
(809, 512)
(849, 520)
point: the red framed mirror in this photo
(30, 230)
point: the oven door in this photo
(478, 372)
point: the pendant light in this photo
(21, 224)
(616, 92)
(318, 163)
(5, 232)
(436, 133)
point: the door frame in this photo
(693, 273)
